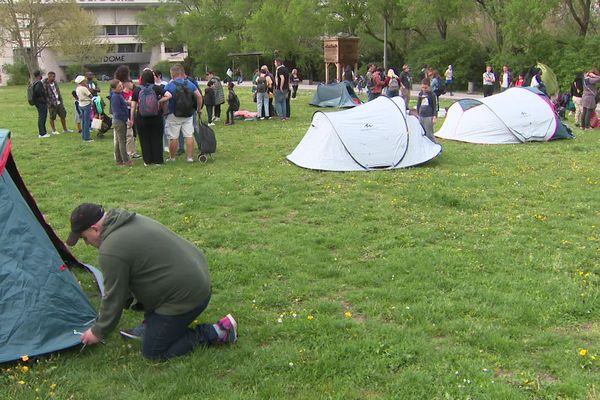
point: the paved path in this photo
(414, 93)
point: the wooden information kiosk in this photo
(341, 51)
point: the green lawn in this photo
(473, 276)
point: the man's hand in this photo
(89, 338)
(130, 123)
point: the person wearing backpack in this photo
(146, 112)
(209, 101)
(233, 103)
(219, 94)
(181, 111)
(263, 82)
(38, 99)
(392, 83)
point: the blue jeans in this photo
(280, 99)
(42, 110)
(86, 122)
(169, 336)
(262, 104)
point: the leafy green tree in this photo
(31, 26)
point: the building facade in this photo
(117, 26)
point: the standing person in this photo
(92, 84)
(378, 83)
(219, 94)
(282, 78)
(426, 108)
(405, 84)
(520, 82)
(392, 83)
(84, 97)
(77, 111)
(437, 88)
(209, 101)
(181, 111)
(489, 79)
(371, 68)
(588, 99)
(120, 122)
(163, 271)
(147, 114)
(39, 101)
(348, 74)
(506, 79)
(449, 76)
(576, 96)
(263, 82)
(127, 92)
(233, 103)
(55, 102)
(295, 81)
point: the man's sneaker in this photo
(215, 119)
(68, 131)
(135, 333)
(202, 158)
(170, 159)
(55, 133)
(228, 324)
(190, 159)
(44, 136)
(211, 124)
(136, 156)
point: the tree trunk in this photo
(442, 27)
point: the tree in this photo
(79, 42)
(581, 12)
(31, 26)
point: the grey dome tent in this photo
(375, 135)
(517, 115)
(41, 302)
(335, 95)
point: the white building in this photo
(116, 20)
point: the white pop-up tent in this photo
(516, 115)
(375, 135)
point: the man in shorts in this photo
(56, 105)
(181, 124)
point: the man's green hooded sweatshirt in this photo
(141, 257)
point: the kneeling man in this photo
(165, 273)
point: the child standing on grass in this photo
(77, 111)
(209, 101)
(426, 107)
(233, 103)
(120, 122)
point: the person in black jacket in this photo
(427, 108)
(576, 95)
(39, 101)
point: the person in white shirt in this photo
(489, 79)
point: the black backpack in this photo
(261, 85)
(208, 141)
(31, 93)
(183, 100)
(235, 106)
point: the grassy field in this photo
(474, 276)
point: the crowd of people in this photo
(163, 117)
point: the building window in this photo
(174, 49)
(121, 30)
(130, 48)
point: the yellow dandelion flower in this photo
(53, 386)
(25, 369)
(21, 382)
(348, 314)
(310, 318)
(24, 358)
(583, 352)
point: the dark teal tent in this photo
(41, 302)
(335, 95)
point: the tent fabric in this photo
(41, 302)
(549, 79)
(375, 135)
(516, 115)
(335, 95)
